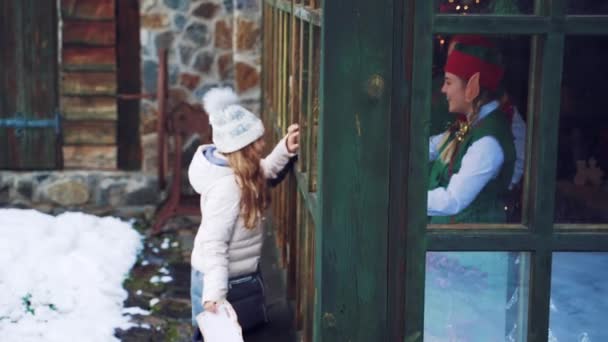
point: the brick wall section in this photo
(88, 84)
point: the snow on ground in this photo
(61, 277)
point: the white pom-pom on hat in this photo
(234, 127)
(217, 99)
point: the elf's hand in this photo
(210, 306)
(293, 138)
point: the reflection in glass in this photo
(582, 162)
(476, 296)
(499, 200)
(579, 297)
(495, 7)
(587, 7)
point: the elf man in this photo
(441, 118)
(473, 161)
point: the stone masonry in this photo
(210, 43)
(124, 194)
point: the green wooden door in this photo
(420, 253)
(28, 85)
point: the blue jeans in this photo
(196, 293)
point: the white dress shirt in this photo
(481, 163)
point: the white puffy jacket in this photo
(223, 246)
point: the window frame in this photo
(538, 234)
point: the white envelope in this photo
(222, 326)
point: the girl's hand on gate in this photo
(210, 306)
(293, 138)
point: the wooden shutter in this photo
(28, 85)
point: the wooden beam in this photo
(351, 241)
(89, 32)
(90, 157)
(87, 9)
(88, 83)
(89, 58)
(81, 132)
(88, 107)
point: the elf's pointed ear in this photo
(472, 90)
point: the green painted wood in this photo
(417, 167)
(301, 11)
(586, 25)
(580, 242)
(304, 93)
(307, 14)
(309, 197)
(29, 82)
(547, 62)
(459, 240)
(400, 102)
(350, 267)
(491, 24)
(310, 155)
(283, 5)
(521, 24)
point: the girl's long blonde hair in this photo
(255, 195)
(485, 96)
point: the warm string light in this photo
(462, 6)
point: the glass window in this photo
(477, 160)
(579, 297)
(582, 190)
(501, 7)
(476, 296)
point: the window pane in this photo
(582, 191)
(477, 148)
(476, 296)
(579, 297)
(587, 7)
(502, 7)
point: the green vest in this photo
(488, 206)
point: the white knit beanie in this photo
(234, 127)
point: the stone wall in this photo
(125, 194)
(210, 43)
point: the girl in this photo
(472, 162)
(230, 175)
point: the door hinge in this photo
(20, 123)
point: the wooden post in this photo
(351, 241)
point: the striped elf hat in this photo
(479, 56)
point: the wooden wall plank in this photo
(90, 157)
(88, 83)
(82, 132)
(89, 58)
(89, 32)
(89, 107)
(87, 9)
